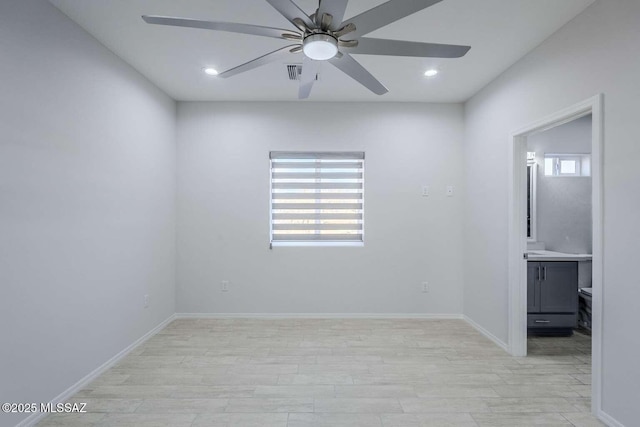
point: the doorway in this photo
(520, 230)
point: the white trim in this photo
(609, 420)
(497, 341)
(317, 316)
(597, 200)
(517, 233)
(68, 393)
(517, 337)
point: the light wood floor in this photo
(333, 373)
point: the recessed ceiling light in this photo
(430, 73)
(210, 71)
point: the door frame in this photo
(518, 232)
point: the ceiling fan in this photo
(326, 36)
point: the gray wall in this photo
(590, 55)
(223, 209)
(564, 203)
(87, 202)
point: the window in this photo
(317, 198)
(567, 165)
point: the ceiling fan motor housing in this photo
(320, 46)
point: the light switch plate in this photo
(449, 190)
(425, 190)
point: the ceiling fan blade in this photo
(334, 8)
(404, 48)
(349, 28)
(353, 69)
(325, 21)
(299, 23)
(231, 27)
(276, 55)
(307, 79)
(386, 13)
(348, 43)
(291, 11)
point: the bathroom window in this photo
(569, 165)
(317, 198)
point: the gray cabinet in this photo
(533, 294)
(552, 296)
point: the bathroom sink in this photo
(544, 255)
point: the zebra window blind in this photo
(317, 197)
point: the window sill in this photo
(317, 244)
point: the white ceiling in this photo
(498, 31)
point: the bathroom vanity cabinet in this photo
(552, 296)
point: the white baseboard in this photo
(608, 419)
(487, 334)
(316, 316)
(68, 393)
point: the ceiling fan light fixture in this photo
(431, 72)
(210, 71)
(320, 47)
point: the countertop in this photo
(540, 255)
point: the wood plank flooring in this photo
(333, 373)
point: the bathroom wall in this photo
(563, 203)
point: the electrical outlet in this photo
(146, 300)
(425, 287)
(425, 190)
(449, 190)
(224, 286)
